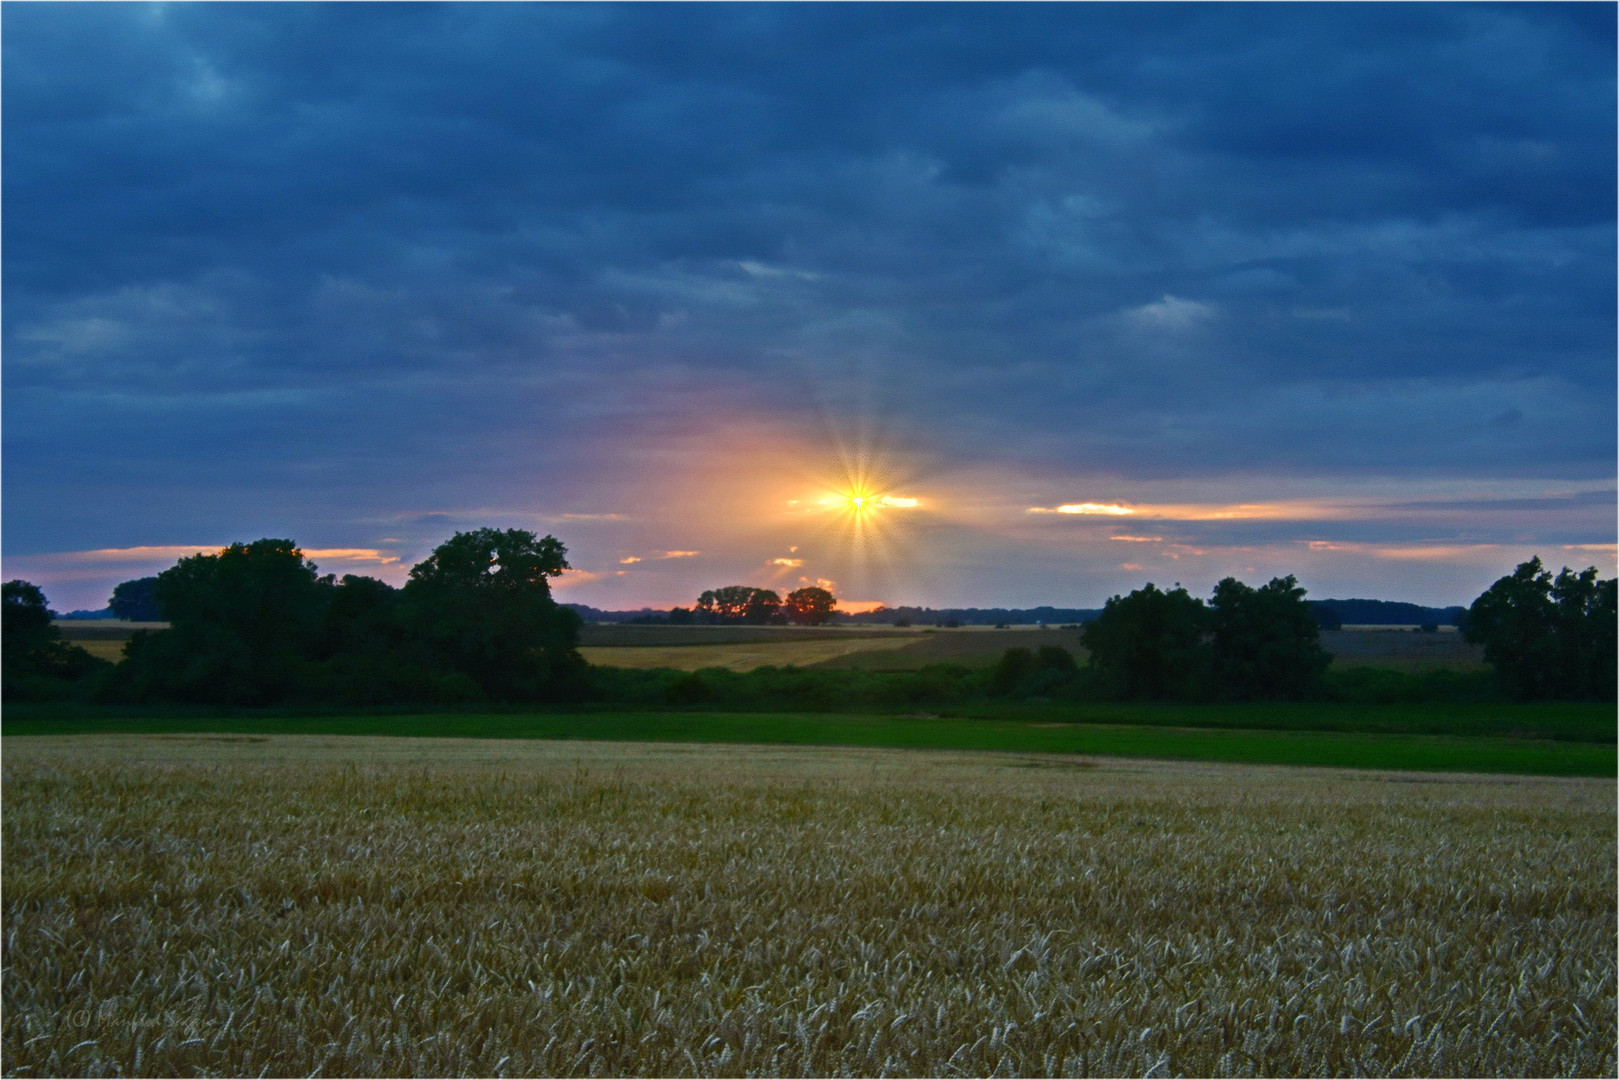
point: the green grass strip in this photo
(1575, 721)
(1331, 749)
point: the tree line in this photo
(1546, 639)
(256, 624)
(809, 606)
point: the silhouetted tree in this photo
(27, 627)
(1545, 637)
(1148, 645)
(1326, 616)
(738, 603)
(763, 606)
(481, 605)
(809, 606)
(361, 617)
(34, 660)
(244, 627)
(1266, 642)
(136, 600)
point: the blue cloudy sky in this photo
(1113, 293)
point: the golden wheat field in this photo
(193, 905)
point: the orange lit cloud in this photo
(175, 552)
(1445, 552)
(787, 562)
(148, 553)
(629, 560)
(1105, 509)
(571, 578)
(1138, 539)
(1288, 511)
(363, 555)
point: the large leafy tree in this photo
(244, 625)
(481, 605)
(36, 662)
(1548, 637)
(27, 628)
(1266, 643)
(809, 606)
(1148, 645)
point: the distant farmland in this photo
(904, 649)
(743, 648)
(895, 649)
(736, 648)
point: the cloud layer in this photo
(365, 273)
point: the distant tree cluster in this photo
(1333, 614)
(256, 624)
(809, 606)
(1245, 644)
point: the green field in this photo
(1548, 739)
(1350, 749)
(216, 904)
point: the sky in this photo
(1072, 297)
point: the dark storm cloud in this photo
(384, 246)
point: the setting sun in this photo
(859, 500)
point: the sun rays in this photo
(858, 510)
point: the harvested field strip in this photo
(656, 636)
(111, 650)
(1346, 749)
(796, 652)
(574, 909)
(973, 647)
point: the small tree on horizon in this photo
(810, 606)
